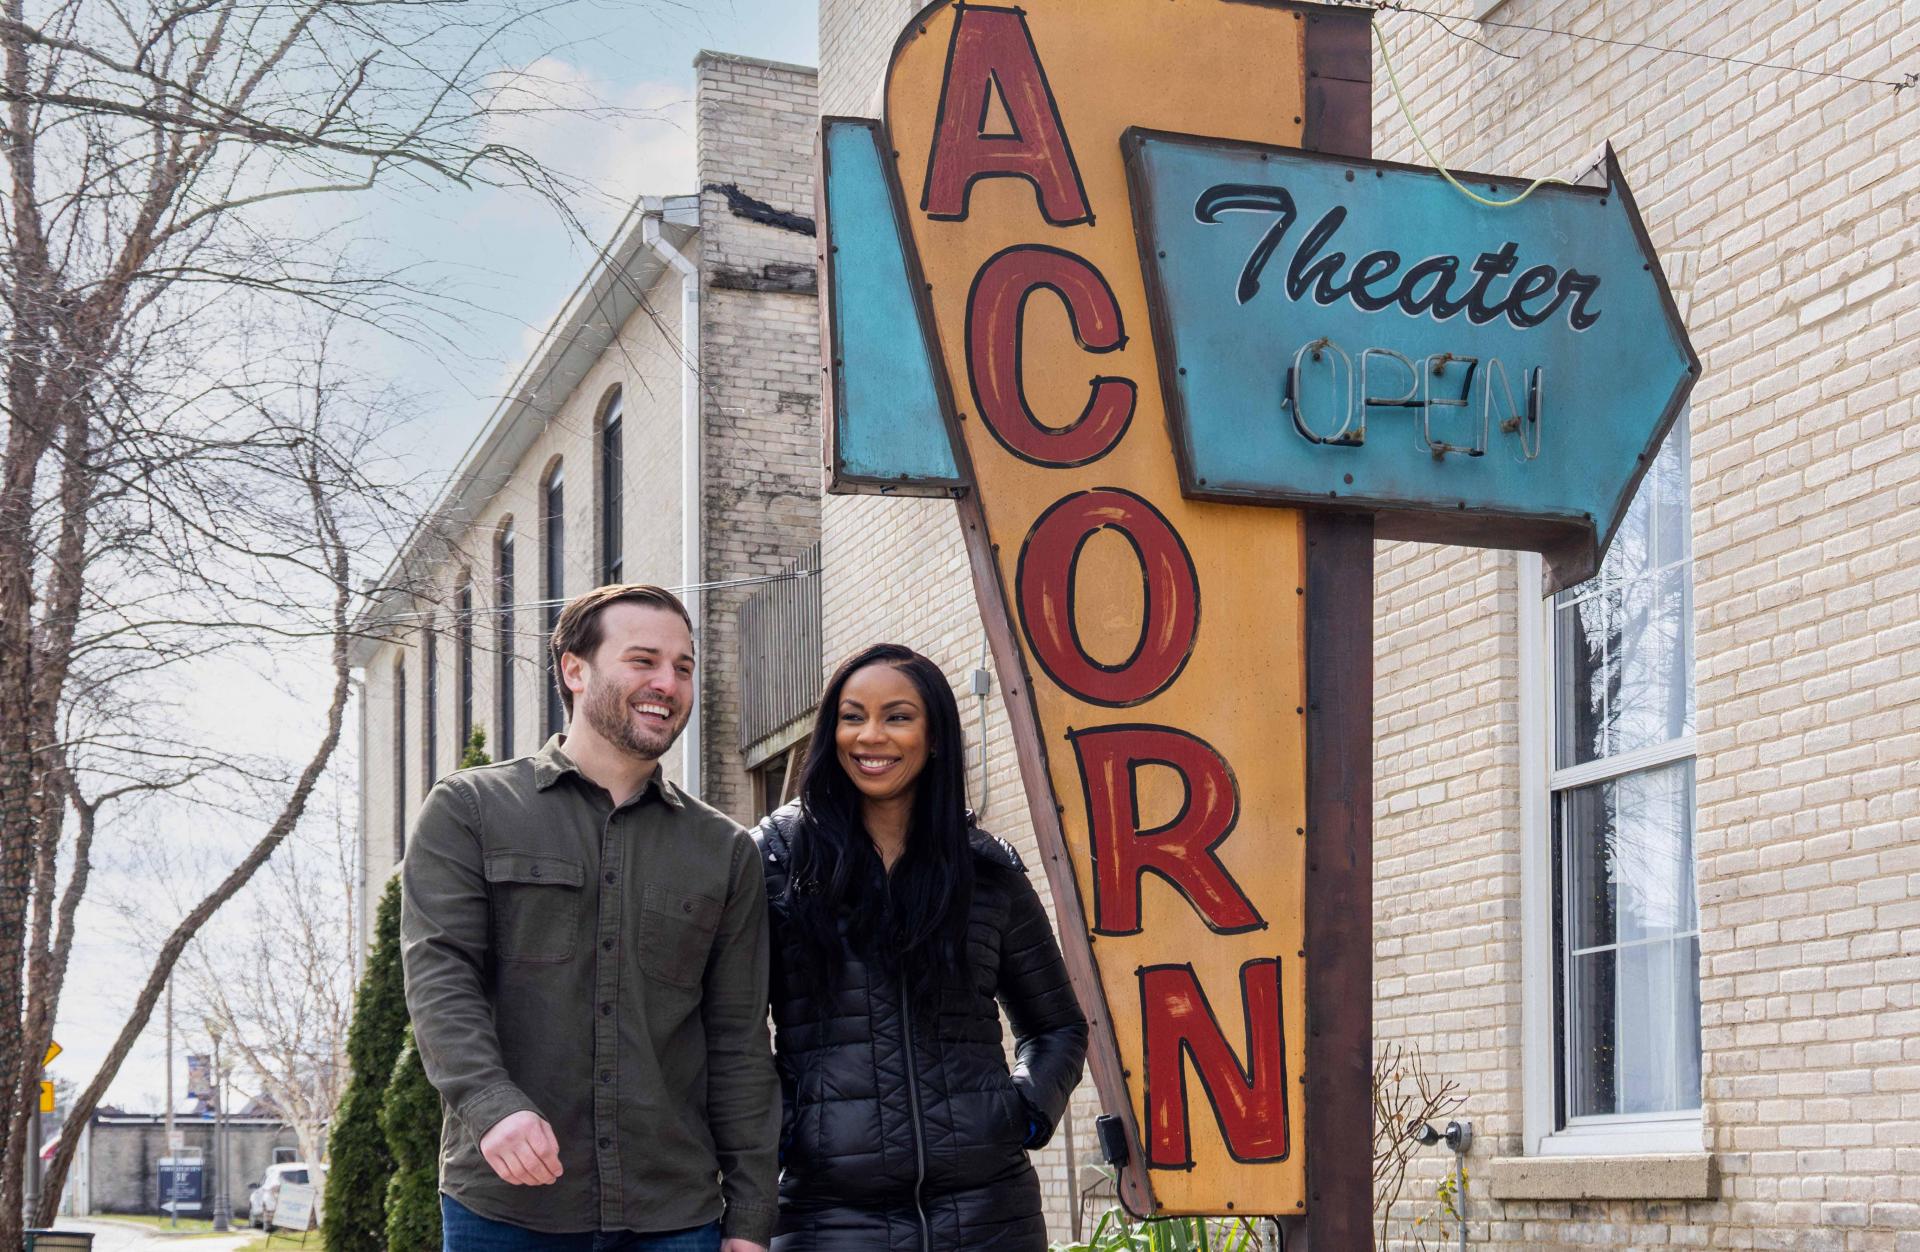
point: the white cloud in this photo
(613, 141)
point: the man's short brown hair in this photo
(578, 630)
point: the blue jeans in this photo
(464, 1230)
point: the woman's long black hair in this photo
(914, 922)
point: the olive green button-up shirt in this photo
(605, 968)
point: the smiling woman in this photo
(899, 929)
(880, 738)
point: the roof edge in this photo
(479, 473)
(707, 56)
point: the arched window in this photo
(504, 642)
(553, 589)
(399, 757)
(463, 664)
(430, 716)
(612, 498)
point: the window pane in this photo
(1654, 703)
(399, 759)
(1636, 1029)
(1671, 499)
(1629, 848)
(1623, 654)
(552, 589)
(1590, 1021)
(505, 645)
(612, 502)
(1585, 654)
(1630, 952)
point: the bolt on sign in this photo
(1109, 273)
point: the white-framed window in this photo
(1612, 984)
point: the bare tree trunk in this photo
(139, 149)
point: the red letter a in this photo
(1250, 1101)
(1180, 851)
(992, 48)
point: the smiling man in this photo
(586, 966)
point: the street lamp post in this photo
(222, 1210)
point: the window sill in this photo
(1669, 1176)
(1483, 7)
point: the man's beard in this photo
(610, 714)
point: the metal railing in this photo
(780, 644)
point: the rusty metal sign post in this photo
(1038, 303)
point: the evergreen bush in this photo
(360, 1162)
(410, 1116)
(475, 752)
(410, 1120)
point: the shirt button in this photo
(606, 1010)
(606, 945)
(536, 871)
(612, 877)
(606, 1075)
(686, 906)
(605, 1142)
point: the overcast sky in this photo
(513, 263)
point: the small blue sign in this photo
(182, 1185)
(1357, 334)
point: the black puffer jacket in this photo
(905, 1136)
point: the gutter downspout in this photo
(692, 522)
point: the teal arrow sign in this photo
(1358, 334)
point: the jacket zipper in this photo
(919, 1130)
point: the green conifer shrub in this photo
(475, 752)
(410, 1116)
(360, 1162)
(410, 1119)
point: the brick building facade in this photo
(1708, 758)
(701, 316)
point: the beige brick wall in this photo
(760, 354)
(1786, 207)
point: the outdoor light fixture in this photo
(1458, 1136)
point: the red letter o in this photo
(1044, 590)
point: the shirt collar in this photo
(551, 763)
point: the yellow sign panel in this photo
(53, 1050)
(1162, 639)
(46, 1097)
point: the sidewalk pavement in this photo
(112, 1236)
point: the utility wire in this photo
(1406, 111)
(482, 611)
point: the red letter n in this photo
(1249, 1101)
(1181, 851)
(992, 51)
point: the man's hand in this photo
(742, 1245)
(522, 1150)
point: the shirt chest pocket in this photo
(536, 906)
(676, 934)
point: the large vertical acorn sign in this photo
(1037, 304)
